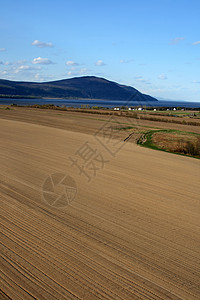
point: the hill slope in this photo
(89, 87)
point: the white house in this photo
(155, 109)
(116, 108)
(140, 108)
(174, 108)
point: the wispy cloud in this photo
(177, 40)
(3, 72)
(72, 63)
(19, 68)
(123, 61)
(162, 77)
(100, 63)
(42, 61)
(14, 63)
(41, 78)
(142, 80)
(24, 68)
(41, 44)
(196, 43)
(2, 49)
(196, 81)
(82, 71)
(8, 63)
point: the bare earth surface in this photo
(131, 232)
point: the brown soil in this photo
(132, 232)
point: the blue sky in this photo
(152, 45)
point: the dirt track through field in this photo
(132, 232)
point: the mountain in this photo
(88, 87)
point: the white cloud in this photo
(82, 71)
(123, 61)
(72, 63)
(162, 77)
(42, 61)
(3, 72)
(15, 63)
(177, 40)
(37, 77)
(41, 77)
(138, 77)
(100, 63)
(196, 43)
(8, 63)
(152, 91)
(2, 49)
(24, 68)
(19, 70)
(41, 44)
(141, 80)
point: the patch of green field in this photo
(146, 140)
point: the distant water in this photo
(101, 103)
